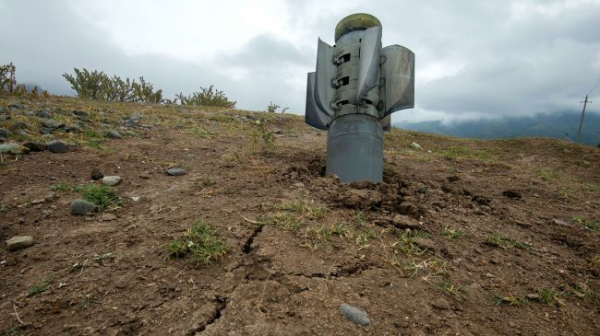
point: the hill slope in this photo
(463, 237)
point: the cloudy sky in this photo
(474, 58)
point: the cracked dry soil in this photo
(449, 280)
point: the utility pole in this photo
(585, 102)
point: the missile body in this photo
(356, 86)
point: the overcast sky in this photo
(474, 58)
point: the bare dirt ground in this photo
(464, 237)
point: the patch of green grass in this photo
(292, 215)
(453, 234)
(11, 331)
(510, 300)
(593, 187)
(452, 289)
(550, 296)
(40, 287)
(62, 187)
(285, 221)
(456, 152)
(499, 240)
(406, 242)
(430, 268)
(101, 195)
(200, 132)
(201, 241)
(545, 175)
(589, 224)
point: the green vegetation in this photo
(206, 97)
(40, 287)
(589, 224)
(99, 86)
(101, 195)
(406, 242)
(453, 234)
(499, 240)
(550, 296)
(463, 152)
(452, 289)
(9, 86)
(201, 241)
(292, 215)
(430, 268)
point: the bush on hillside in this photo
(206, 97)
(9, 86)
(99, 86)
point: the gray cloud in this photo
(473, 58)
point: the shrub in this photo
(99, 86)
(206, 97)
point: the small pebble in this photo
(19, 242)
(176, 172)
(111, 180)
(354, 315)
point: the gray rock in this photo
(112, 134)
(57, 146)
(135, 198)
(176, 172)
(19, 242)
(415, 145)
(3, 110)
(354, 315)
(80, 114)
(44, 114)
(46, 130)
(4, 117)
(3, 139)
(111, 180)
(81, 207)
(29, 113)
(35, 146)
(5, 133)
(69, 129)
(6, 148)
(17, 106)
(49, 123)
(559, 222)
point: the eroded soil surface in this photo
(463, 238)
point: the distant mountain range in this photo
(557, 125)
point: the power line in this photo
(585, 102)
(594, 88)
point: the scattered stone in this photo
(96, 174)
(135, 198)
(4, 133)
(44, 114)
(176, 172)
(277, 131)
(354, 315)
(69, 129)
(81, 207)
(29, 113)
(35, 146)
(16, 106)
(19, 243)
(111, 180)
(582, 286)
(404, 222)
(415, 145)
(80, 114)
(112, 134)
(107, 217)
(421, 188)
(425, 244)
(512, 194)
(533, 297)
(46, 130)
(49, 123)
(453, 178)
(57, 146)
(441, 304)
(50, 197)
(489, 275)
(559, 222)
(8, 147)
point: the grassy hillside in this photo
(469, 237)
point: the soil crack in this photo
(247, 248)
(221, 304)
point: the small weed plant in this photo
(499, 240)
(510, 300)
(40, 287)
(406, 242)
(201, 242)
